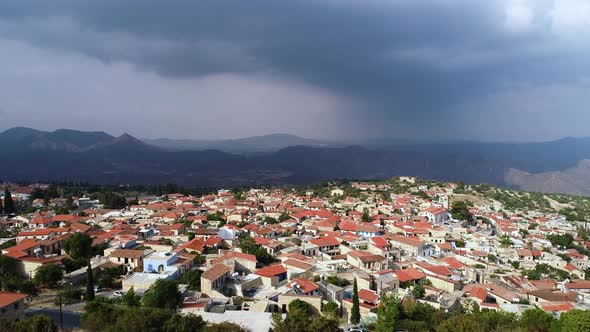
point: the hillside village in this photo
(242, 255)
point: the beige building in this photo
(12, 305)
(214, 278)
(132, 259)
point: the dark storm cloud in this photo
(409, 61)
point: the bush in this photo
(48, 275)
(69, 294)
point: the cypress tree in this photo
(8, 202)
(89, 283)
(355, 313)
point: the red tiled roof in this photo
(7, 298)
(436, 269)
(304, 284)
(216, 271)
(368, 296)
(325, 241)
(409, 274)
(271, 270)
(236, 255)
(479, 293)
(557, 306)
(578, 284)
(298, 264)
(570, 267)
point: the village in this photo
(241, 255)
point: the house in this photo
(238, 262)
(304, 287)
(272, 275)
(12, 305)
(297, 268)
(142, 281)
(409, 275)
(524, 255)
(366, 261)
(131, 259)
(337, 192)
(327, 244)
(214, 278)
(368, 297)
(163, 263)
(412, 246)
(42, 222)
(435, 215)
(330, 291)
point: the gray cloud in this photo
(412, 66)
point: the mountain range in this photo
(97, 157)
(247, 145)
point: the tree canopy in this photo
(48, 275)
(249, 246)
(8, 205)
(78, 246)
(163, 294)
(460, 211)
(355, 314)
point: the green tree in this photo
(89, 283)
(184, 323)
(7, 269)
(387, 313)
(163, 294)
(284, 216)
(323, 324)
(296, 320)
(418, 291)
(69, 294)
(40, 323)
(192, 278)
(459, 323)
(224, 327)
(355, 314)
(493, 320)
(505, 241)
(270, 220)
(73, 265)
(37, 323)
(299, 320)
(109, 276)
(460, 211)
(565, 240)
(365, 216)
(48, 275)
(575, 320)
(78, 245)
(7, 244)
(131, 299)
(536, 320)
(330, 309)
(298, 304)
(9, 206)
(249, 246)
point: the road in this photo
(71, 318)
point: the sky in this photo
(489, 70)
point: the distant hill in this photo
(248, 145)
(97, 157)
(60, 140)
(574, 180)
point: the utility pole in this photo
(61, 315)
